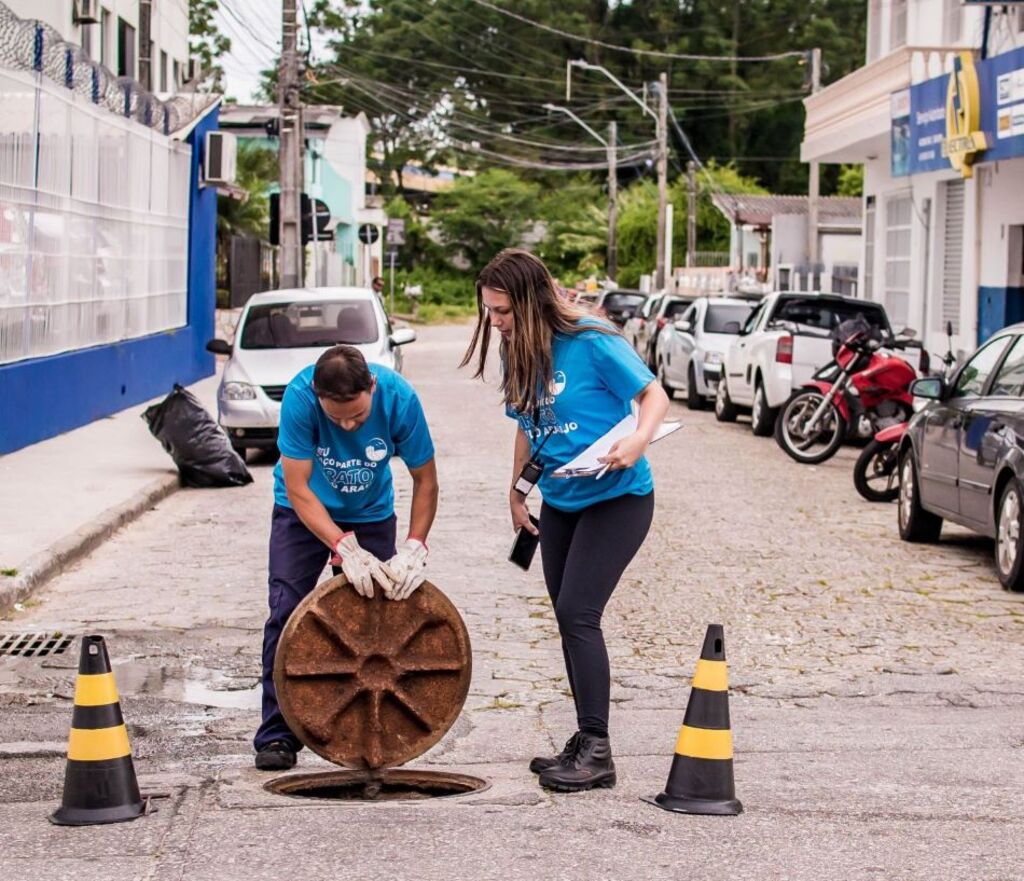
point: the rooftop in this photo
(759, 210)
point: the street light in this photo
(661, 128)
(612, 262)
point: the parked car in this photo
(631, 329)
(653, 315)
(961, 459)
(280, 333)
(618, 305)
(784, 341)
(689, 351)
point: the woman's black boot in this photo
(539, 764)
(589, 767)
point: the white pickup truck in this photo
(780, 347)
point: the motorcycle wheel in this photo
(876, 474)
(790, 434)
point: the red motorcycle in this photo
(876, 475)
(862, 387)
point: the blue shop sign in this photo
(939, 125)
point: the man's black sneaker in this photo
(590, 766)
(276, 756)
(540, 764)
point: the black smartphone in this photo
(525, 546)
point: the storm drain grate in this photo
(34, 645)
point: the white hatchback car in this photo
(280, 333)
(690, 349)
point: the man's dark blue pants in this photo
(297, 557)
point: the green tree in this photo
(484, 213)
(256, 174)
(206, 41)
(851, 181)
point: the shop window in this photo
(125, 48)
(869, 248)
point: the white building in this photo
(943, 163)
(113, 33)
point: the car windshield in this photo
(622, 302)
(720, 315)
(826, 315)
(301, 325)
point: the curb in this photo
(42, 566)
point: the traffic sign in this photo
(396, 231)
(368, 233)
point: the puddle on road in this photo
(195, 685)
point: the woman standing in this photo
(568, 378)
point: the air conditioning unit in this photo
(86, 12)
(220, 161)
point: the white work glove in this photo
(361, 567)
(408, 569)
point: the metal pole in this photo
(813, 180)
(659, 270)
(391, 260)
(669, 214)
(613, 210)
(691, 213)
(289, 151)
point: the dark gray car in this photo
(962, 458)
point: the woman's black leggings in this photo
(584, 554)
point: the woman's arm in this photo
(516, 500)
(653, 404)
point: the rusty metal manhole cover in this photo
(372, 683)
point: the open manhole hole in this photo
(379, 786)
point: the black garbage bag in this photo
(197, 444)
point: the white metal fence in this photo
(93, 222)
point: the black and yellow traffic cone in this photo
(99, 784)
(701, 779)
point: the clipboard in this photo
(586, 464)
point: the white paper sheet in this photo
(586, 464)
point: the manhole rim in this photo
(393, 775)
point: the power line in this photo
(654, 53)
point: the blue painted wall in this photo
(44, 397)
(998, 307)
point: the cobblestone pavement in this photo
(877, 692)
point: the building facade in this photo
(113, 32)
(106, 241)
(936, 116)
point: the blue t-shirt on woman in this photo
(351, 469)
(595, 378)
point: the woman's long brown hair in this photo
(539, 312)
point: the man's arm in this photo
(424, 500)
(310, 509)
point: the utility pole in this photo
(661, 120)
(659, 271)
(613, 209)
(613, 181)
(812, 178)
(290, 151)
(691, 213)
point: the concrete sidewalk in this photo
(64, 496)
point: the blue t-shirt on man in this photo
(351, 469)
(595, 378)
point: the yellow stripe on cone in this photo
(98, 744)
(711, 676)
(704, 743)
(95, 690)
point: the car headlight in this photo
(237, 391)
(712, 357)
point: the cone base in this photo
(95, 816)
(715, 807)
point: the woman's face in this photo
(499, 311)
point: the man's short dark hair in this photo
(341, 374)
(376, 279)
